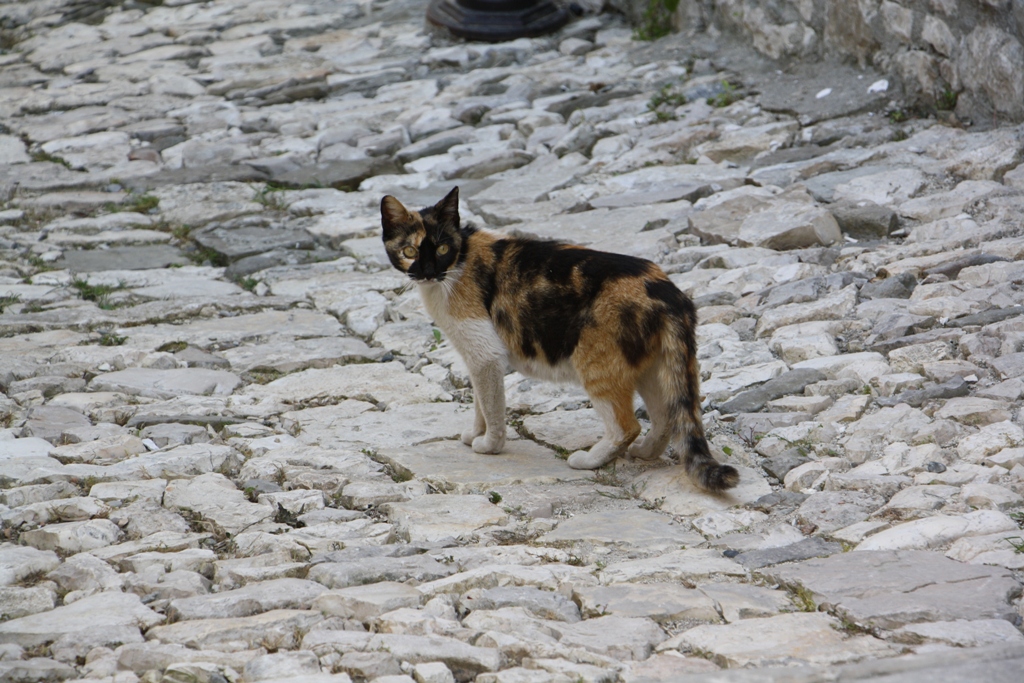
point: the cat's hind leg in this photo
(479, 424)
(654, 443)
(615, 406)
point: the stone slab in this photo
(122, 258)
(440, 517)
(799, 638)
(94, 613)
(453, 467)
(889, 589)
(637, 530)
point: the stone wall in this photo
(930, 49)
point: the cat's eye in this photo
(442, 250)
(409, 252)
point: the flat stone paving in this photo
(230, 434)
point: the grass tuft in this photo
(656, 21)
(730, 93)
(8, 300)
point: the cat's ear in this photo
(448, 207)
(393, 215)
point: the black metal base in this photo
(497, 20)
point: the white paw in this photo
(487, 444)
(469, 435)
(584, 460)
(637, 451)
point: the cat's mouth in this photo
(428, 280)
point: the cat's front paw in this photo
(470, 435)
(488, 444)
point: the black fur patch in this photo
(637, 330)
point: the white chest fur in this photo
(475, 339)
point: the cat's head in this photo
(423, 244)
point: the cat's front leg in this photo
(489, 397)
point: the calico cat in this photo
(615, 324)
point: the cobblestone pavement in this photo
(229, 446)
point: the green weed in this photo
(730, 93)
(664, 102)
(200, 255)
(804, 599)
(39, 264)
(656, 21)
(40, 156)
(97, 293)
(269, 197)
(947, 100)
(173, 347)
(494, 497)
(110, 339)
(248, 283)
(140, 203)
(8, 300)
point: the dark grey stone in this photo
(438, 143)
(952, 269)
(891, 588)
(780, 464)
(814, 546)
(898, 287)
(864, 220)
(988, 317)
(819, 256)
(278, 257)
(830, 511)
(800, 291)
(899, 325)
(122, 258)
(200, 174)
(337, 174)
(541, 603)
(239, 242)
(792, 382)
(794, 92)
(778, 500)
(655, 195)
(937, 334)
(951, 388)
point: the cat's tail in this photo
(680, 380)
